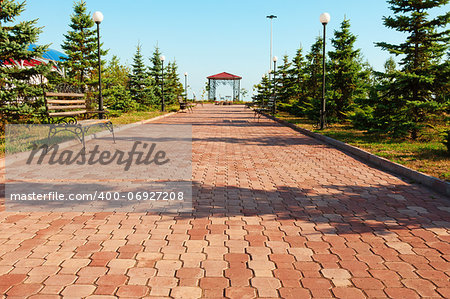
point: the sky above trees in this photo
(207, 37)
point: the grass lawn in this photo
(427, 155)
(124, 118)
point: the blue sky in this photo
(209, 36)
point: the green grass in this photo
(26, 140)
(427, 155)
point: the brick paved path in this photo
(277, 214)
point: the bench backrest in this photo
(64, 104)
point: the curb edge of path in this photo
(434, 183)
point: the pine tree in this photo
(363, 116)
(298, 76)
(155, 71)
(140, 84)
(172, 85)
(80, 45)
(263, 90)
(283, 82)
(314, 79)
(20, 92)
(347, 75)
(415, 89)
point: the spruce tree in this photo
(140, 84)
(364, 117)
(283, 82)
(80, 45)
(347, 75)
(20, 90)
(155, 71)
(314, 79)
(263, 90)
(138, 76)
(298, 76)
(414, 90)
(172, 85)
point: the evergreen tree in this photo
(172, 85)
(116, 93)
(379, 82)
(414, 90)
(298, 77)
(263, 90)
(20, 92)
(155, 71)
(140, 84)
(283, 82)
(347, 75)
(80, 45)
(314, 79)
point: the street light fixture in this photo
(324, 19)
(163, 105)
(274, 109)
(271, 17)
(98, 18)
(185, 84)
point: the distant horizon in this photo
(206, 38)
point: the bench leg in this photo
(110, 127)
(83, 150)
(51, 133)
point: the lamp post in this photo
(324, 19)
(163, 105)
(98, 18)
(271, 17)
(274, 107)
(185, 84)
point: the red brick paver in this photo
(275, 214)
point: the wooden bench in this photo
(64, 110)
(267, 107)
(185, 105)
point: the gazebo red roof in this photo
(224, 76)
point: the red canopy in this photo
(224, 76)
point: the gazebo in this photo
(224, 79)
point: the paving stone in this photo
(401, 293)
(132, 291)
(348, 293)
(112, 279)
(24, 290)
(240, 293)
(186, 292)
(60, 280)
(213, 282)
(78, 291)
